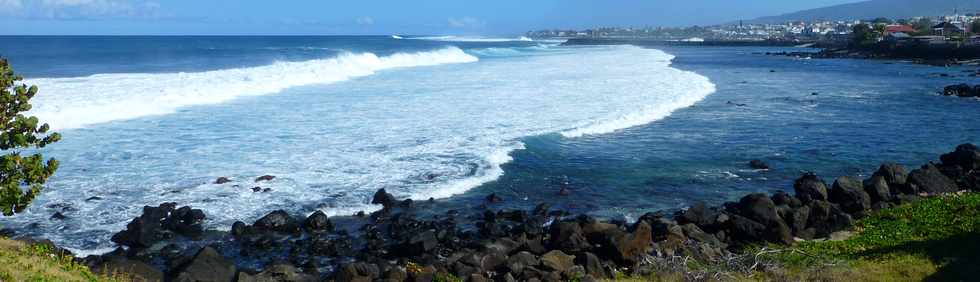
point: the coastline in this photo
(507, 245)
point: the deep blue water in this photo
(625, 129)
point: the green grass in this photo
(23, 262)
(937, 239)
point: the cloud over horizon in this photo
(81, 9)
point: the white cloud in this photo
(466, 22)
(11, 5)
(365, 21)
(81, 9)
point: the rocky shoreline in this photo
(168, 243)
(845, 53)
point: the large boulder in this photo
(568, 236)
(279, 273)
(627, 247)
(961, 90)
(700, 215)
(966, 156)
(894, 174)
(130, 270)
(358, 271)
(383, 198)
(318, 222)
(878, 189)
(419, 243)
(809, 188)
(826, 218)
(557, 260)
(759, 207)
(593, 266)
(207, 265)
(849, 194)
(929, 179)
(278, 221)
(158, 223)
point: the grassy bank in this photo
(935, 239)
(23, 262)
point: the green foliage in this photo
(446, 277)
(864, 35)
(975, 27)
(19, 173)
(923, 26)
(881, 21)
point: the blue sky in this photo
(329, 17)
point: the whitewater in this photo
(421, 124)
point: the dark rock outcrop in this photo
(207, 265)
(962, 90)
(278, 221)
(158, 223)
(809, 188)
(318, 222)
(758, 164)
(850, 195)
(929, 179)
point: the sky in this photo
(369, 17)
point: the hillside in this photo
(879, 8)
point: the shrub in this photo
(21, 177)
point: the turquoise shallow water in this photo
(625, 129)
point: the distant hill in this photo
(894, 9)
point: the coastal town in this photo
(955, 29)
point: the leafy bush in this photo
(21, 177)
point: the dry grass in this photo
(23, 262)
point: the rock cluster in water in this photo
(515, 245)
(962, 90)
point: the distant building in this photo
(947, 29)
(929, 39)
(898, 37)
(896, 28)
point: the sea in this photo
(612, 131)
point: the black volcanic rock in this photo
(929, 179)
(207, 265)
(850, 195)
(383, 198)
(222, 180)
(278, 221)
(758, 164)
(318, 222)
(809, 187)
(966, 156)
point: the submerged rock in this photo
(222, 180)
(758, 164)
(265, 178)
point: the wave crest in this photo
(81, 101)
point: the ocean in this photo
(623, 130)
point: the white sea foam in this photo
(80, 101)
(418, 133)
(686, 92)
(396, 37)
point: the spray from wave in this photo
(452, 38)
(81, 101)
